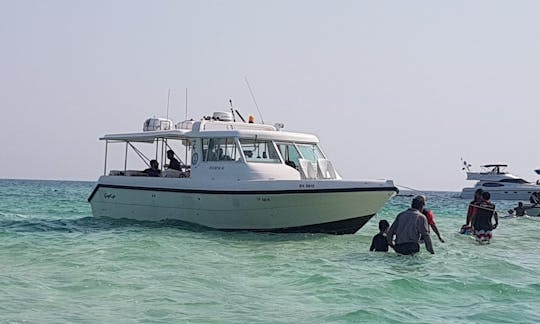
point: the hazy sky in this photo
(394, 89)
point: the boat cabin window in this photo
(220, 149)
(259, 151)
(290, 154)
(492, 184)
(514, 180)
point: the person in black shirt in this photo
(481, 221)
(520, 209)
(153, 170)
(173, 164)
(379, 242)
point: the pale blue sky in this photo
(393, 89)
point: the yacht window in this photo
(310, 152)
(492, 184)
(259, 151)
(219, 149)
(514, 180)
(289, 153)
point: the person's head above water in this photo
(478, 194)
(486, 196)
(418, 202)
(383, 225)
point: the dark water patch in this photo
(90, 224)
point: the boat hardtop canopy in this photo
(494, 168)
(494, 165)
(494, 174)
(213, 129)
(269, 151)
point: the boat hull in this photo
(533, 211)
(318, 209)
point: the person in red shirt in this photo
(431, 220)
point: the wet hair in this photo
(479, 191)
(486, 195)
(418, 203)
(383, 225)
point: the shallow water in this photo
(59, 264)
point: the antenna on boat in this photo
(186, 103)
(235, 111)
(239, 115)
(187, 146)
(168, 101)
(254, 101)
(232, 110)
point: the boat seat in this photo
(172, 173)
(135, 173)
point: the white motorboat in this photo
(242, 176)
(532, 210)
(501, 185)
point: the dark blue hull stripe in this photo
(245, 192)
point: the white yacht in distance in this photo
(242, 176)
(500, 184)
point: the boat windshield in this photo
(310, 152)
(290, 154)
(262, 151)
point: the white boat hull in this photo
(503, 193)
(533, 211)
(337, 207)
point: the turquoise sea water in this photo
(59, 264)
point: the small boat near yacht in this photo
(502, 185)
(532, 210)
(242, 176)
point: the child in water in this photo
(379, 242)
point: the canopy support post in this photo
(106, 150)
(125, 157)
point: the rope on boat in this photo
(411, 189)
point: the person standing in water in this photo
(481, 220)
(408, 228)
(472, 210)
(431, 220)
(520, 210)
(379, 242)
